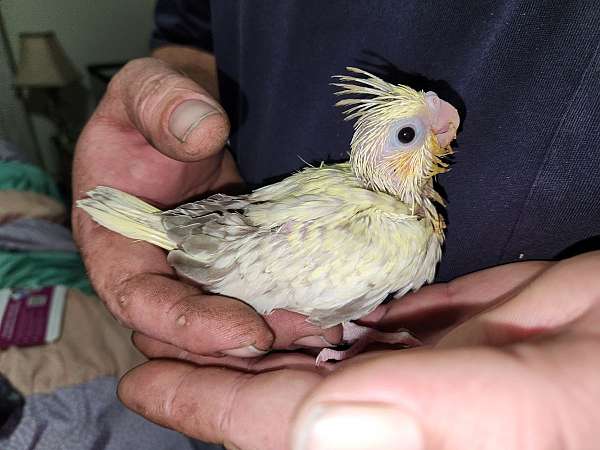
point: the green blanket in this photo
(37, 268)
(25, 177)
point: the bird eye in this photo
(406, 135)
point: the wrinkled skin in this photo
(511, 362)
(129, 143)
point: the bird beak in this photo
(444, 119)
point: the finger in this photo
(129, 144)
(216, 404)
(432, 310)
(570, 286)
(153, 348)
(172, 112)
(293, 330)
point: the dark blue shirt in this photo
(524, 75)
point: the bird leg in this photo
(359, 337)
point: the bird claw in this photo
(360, 337)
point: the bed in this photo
(61, 395)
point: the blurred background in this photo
(61, 352)
(56, 57)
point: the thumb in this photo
(418, 400)
(174, 114)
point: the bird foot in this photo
(360, 337)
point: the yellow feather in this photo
(127, 215)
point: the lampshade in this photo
(43, 62)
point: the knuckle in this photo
(133, 67)
(141, 80)
(151, 99)
(127, 72)
(153, 86)
(119, 295)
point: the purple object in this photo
(30, 316)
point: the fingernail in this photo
(313, 341)
(186, 117)
(353, 426)
(245, 352)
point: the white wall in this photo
(90, 31)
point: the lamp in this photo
(36, 155)
(45, 80)
(43, 63)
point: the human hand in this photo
(515, 368)
(160, 135)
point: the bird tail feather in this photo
(127, 215)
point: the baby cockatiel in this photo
(330, 242)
